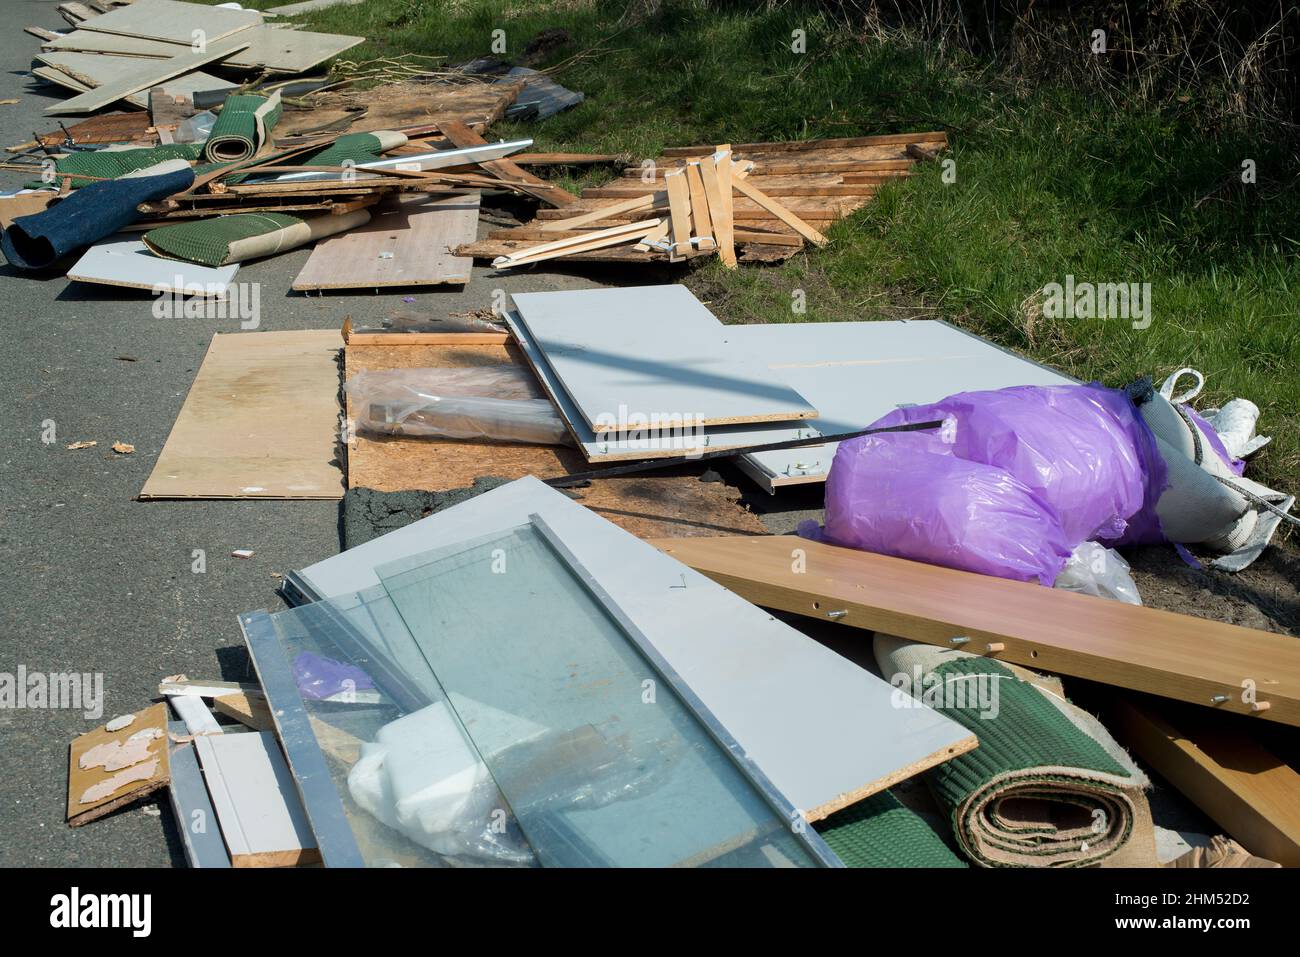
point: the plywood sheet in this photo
(128, 263)
(396, 106)
(137, 778)
(856, 372)
(1128, 646)
(825, 732)
(652, 351)
(673, 504)
(260, 421)
(407, 242)
(173, 21)
(257, 804)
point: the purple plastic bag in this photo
(1009, 486)
(319, 677)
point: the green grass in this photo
(1049, 181)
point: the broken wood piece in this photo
(701, 221)
(117, 771)
(714, 171)
(463, 137)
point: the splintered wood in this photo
(756, 202)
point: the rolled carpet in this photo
(1047, 787)
(233, 239)
(880, 832)
(86, 216)
(243, 127)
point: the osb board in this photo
(400, 105)
(260, 421)
(657, 504)
(79, 779)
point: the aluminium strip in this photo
(195, 819)
(416, 162)
(320, 799)
(780, 804)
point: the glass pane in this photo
(600, 761)
(413, 789)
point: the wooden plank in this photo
(1128, 646)
(581, 243)
(719, 209)
(1243, 787)
(260, 421)
(772, 168)
(463, 137)
(701, 220)
(407, 242)
(780, 212)
(145, 75)
(99, 759)
(679, 206)
(174, 21)
(651, 350)
(262, 819)
(401, 338)
(636, 204)
(798, 146)
(252, 712)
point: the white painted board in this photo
(824, 731)
(651, 350)
(129, 263)
(257, 805)
(856, 372)
(655, 442)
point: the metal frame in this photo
(438, 159)
(320, 799)
(805, 834)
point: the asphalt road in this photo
(96, 582)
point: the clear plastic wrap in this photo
(499, 403)
(1093, 569)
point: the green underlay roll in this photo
(1047, 787)
(880, 832)
(243, 126)
(110, 164)
(232, 239)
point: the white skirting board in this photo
(130, 264)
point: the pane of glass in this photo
(598, 758)
(413, 789)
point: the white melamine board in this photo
(289, 51)
(130, 263)
(173, 21)
(665, 443)
(87, 41)
(826, 732)
(257, 805)
(198, 719)
(857, 372)
(651, 350)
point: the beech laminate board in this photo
(1128, 646)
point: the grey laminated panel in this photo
(173, 21)
(196, 821)
(857, 372)
(647, 350)
(825, 732)
(665, 443)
